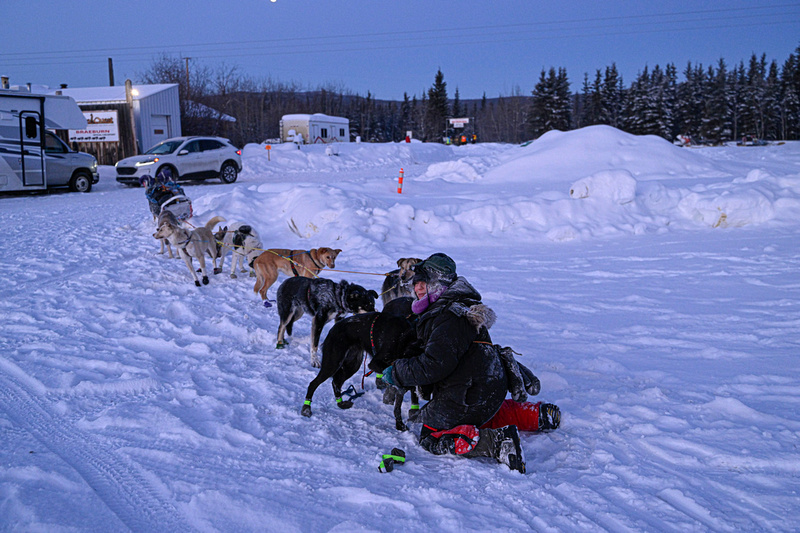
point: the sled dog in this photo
(305, 263)
(324, 300)
(192, 244)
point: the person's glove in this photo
(387, 376)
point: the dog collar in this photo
(312, 260)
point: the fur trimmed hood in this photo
(479, 315)
(464, 300)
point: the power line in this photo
(436, 34)
(432, 41)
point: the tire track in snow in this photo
(116, 480)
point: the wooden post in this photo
(129, 98)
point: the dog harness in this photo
(294, 270)
(312, 260)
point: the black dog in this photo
(385, 336)
(324, 300)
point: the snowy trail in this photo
(138, 503)
(149, 402)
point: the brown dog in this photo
(398, 282)
(306, 263)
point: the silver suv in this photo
(189, 158)
(67, 168)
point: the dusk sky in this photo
(494, 47)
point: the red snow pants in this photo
(524, 415)
(462, 439)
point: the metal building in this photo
(155, 116)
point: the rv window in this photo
(341, 132)
(53, 145)
(31, 127)
(324, 133)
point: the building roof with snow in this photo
(116, 93)
(316, 116)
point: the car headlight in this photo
(145, 163)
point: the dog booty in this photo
(267, 304)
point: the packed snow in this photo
(653, 289)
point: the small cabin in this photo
(313, 129)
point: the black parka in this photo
(458, 360)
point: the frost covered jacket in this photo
(458, 360)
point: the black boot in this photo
(501, 444)
(508, 449)
(549, 417)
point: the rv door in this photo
(31, 152)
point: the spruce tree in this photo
(552, 103)
(405, 123)
(437, 112)
(717, 116)
(772, 104)
(790, 97)
(611, 97)
(457, 111)
(635, 113)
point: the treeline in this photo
(714, 103)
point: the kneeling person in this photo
(462, 366)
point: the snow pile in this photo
(519, 192)
(452, 171)
(616, 186)
(558, 156)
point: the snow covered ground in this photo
(654, 290)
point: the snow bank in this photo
(617, 186)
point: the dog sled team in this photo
(431, 339)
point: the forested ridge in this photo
(712, 104)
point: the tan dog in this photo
(167, 217)
(398, 282)
(306, 263)
(194, 244)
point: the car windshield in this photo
(167, 147)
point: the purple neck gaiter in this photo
(420, 306)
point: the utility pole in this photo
(110, 72)
(187, 75)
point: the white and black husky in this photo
(243, 241)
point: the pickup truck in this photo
(65, 167)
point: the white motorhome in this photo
(25, 142)
(316, 128)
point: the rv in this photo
(316, 128)
(31, 157)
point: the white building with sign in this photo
(155, 112)
(101, 126)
